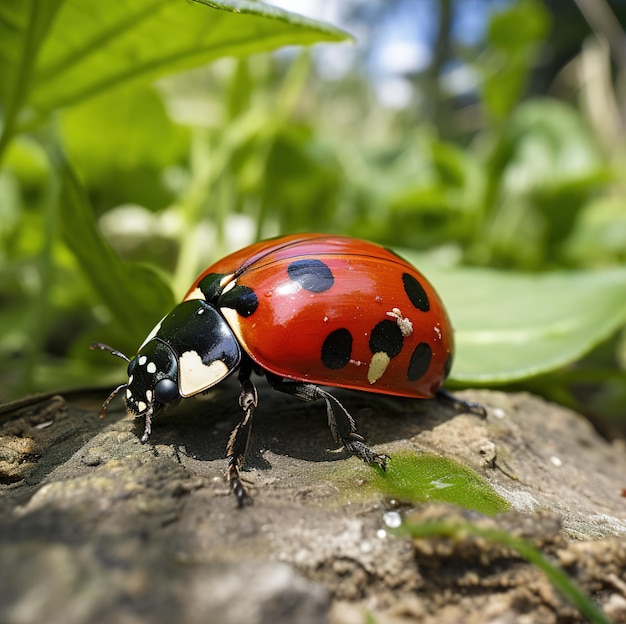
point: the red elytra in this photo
(367, 286)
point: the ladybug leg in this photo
(445, 397)
(239, 438)
(341, 423)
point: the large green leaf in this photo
(93, 46)
(510, 326)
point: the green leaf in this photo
(24, 25)
(120, 131)
(94, 46)
(511, 326)
(135, 294)
(513, 38)
(121, 143)
(521, 25)
(551, 147)
(600, 232)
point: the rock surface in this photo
(96, 527)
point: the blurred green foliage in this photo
(116, 190)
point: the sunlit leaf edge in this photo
(267, 10)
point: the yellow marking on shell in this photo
(195, 376)
(378, 366)
(233, 319)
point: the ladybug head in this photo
(152, 379)
(189, 351)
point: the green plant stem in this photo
(22, 81)
(40, 313)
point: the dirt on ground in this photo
(96, 527)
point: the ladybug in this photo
(305, 310)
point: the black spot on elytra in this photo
(240, 298)
(313, 275)
(447, 366)
(336, 349)
(420, 361)
(386, 337)
(415, 292)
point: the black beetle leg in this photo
(239, 438)
(341, 423)
(443, 396)
(148, 426)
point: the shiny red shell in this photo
(338, 311)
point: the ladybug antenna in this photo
(103, 409)
(103, 347)
(119, 354)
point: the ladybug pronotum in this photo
(304, 310)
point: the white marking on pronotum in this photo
(149, 396)
(141, 406)
(129, 394)
(229, 286)
(378, 366)
(196, 293)
(142, 360)
(406, 327)
(196, 376)
(151, 368)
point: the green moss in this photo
(422, 477)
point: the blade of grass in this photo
(135, 294)
(38, 17)
(557, 576)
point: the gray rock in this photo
(97, 527)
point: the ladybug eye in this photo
(165, 391)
